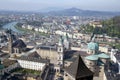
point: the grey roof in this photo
(48, 48)
(8, 62)
(71, 53)
(32, 43)
(19, 44)
(34, 54)
(33, 59)
(117, 55)
(78, 69)
(4, 55)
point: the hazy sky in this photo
(32, 5)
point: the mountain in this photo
(64, 12)
(79, 12)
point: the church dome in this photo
(1, 66)
(93, 46)
(103, 55)
(92, 57)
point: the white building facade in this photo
(32, 63)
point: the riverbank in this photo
(25, 31)
(3, 23)
(12, 27)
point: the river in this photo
(12, 27)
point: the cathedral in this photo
(96, 59)
(55, 52)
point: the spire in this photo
(93, 38)
(79, 70)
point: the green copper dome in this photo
(1, 66)
(93, 46)
(103, 55)
(92, 57)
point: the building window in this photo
(66, 75)
(60, 58)
(59, 63)
(90, 63)
(60, 49)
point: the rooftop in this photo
(117, 55)
(34, 54)
(19, 44)
(48, 48)
(93, 46)
(8, 62)
(1, 66)
(97, 56)
(92, 57)
(103, 55)
(78, 69)
(33, 59)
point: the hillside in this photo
(80, 12)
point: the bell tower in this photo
(60, 52)
(66, 42)
(10, 41)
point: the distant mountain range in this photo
(79, 12)
(67, 12)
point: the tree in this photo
(112, 26)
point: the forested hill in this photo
(112, 26)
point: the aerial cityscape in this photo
(59, 40)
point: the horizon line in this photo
(44, 10)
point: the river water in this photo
(12, 27)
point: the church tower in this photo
(66, 42)
(60, 52)
(92, 59)
(10, 42)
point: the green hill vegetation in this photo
(110, 27)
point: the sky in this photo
(36, 5)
